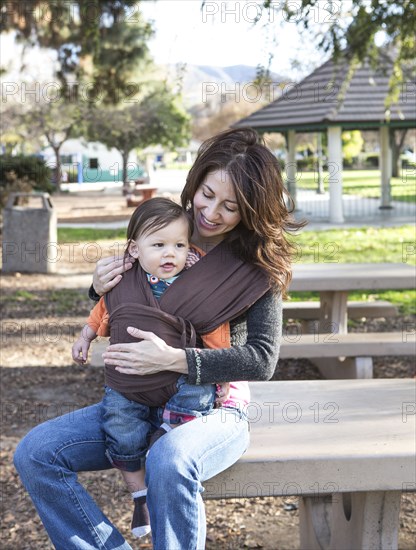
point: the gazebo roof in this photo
(337, 94)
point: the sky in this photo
(223, 33)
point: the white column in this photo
(291, 164)
(319, 168)
(385, 167)
(335, 174)
(149, 165)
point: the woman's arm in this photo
(254, 352)
(253, 356)
(149, 356)
(107, 274)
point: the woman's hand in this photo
(108, 272)
(147, 357)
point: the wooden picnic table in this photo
(140, 193)
(334, 281)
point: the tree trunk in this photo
(126, 183)
(396, 148)
(58, 171)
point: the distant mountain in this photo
(202, 82)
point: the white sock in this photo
(166, 427)
(141, 531)
(138, 494)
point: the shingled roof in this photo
(338, 94)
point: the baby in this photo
(158, 236)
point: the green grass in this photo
(366, 183)
(365, 244)
(86, 234)
(41, 303)
(21, 295)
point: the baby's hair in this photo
(155, 214)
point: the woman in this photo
(236, 197)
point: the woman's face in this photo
(215, 207)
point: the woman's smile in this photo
(215, 207)
(207, 223)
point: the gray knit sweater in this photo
(255, 343)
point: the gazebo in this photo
(339, 95)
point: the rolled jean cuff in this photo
(175, 418)
(125, 463)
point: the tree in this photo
(16, 135)
(156, 119)
(210, 122)
(100, 44)
(397, 139)
(354, 25)
(352, 144)
(57, 122)
(353, 28)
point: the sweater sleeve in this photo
(92, 295)
(252, 358)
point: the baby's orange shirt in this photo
(99, 318)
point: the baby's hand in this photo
(80, 350)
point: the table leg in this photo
(363, 521)
(357, 367)
(333, 312)
(333, 319)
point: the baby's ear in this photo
(133, 249)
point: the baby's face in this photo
(163, 252)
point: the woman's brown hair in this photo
(261, 236)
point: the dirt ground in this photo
(41, 314)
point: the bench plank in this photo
(346, 448)
(309, 311)
(320, 437)
(322, 277)
(352, 344)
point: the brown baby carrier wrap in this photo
(216, 289)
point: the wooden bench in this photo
(344, 447)
(357, 349)
(310, 311)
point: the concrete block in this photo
(30, 239)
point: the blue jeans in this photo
(127, 426)
(50, 455)
(191, 400)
